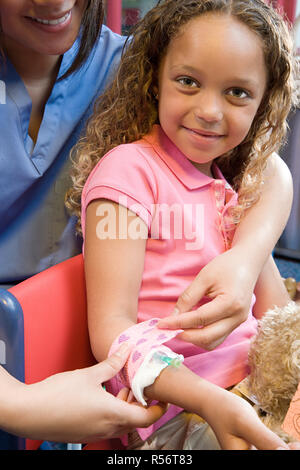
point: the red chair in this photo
(55, 326)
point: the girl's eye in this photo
(187, 82)
(238, 93)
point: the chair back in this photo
(56, 339)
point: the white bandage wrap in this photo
(150, 369)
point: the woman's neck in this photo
(39, 73)
(30, 65)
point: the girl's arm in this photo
(233, 420)
(113, 271)
(229, 279)
(114, 268)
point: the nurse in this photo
(55, 60)
(52, 74)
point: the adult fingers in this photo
(210, 336)
(123, 394)
(126, 394)
(191, 295)
(113, 364)
(217, 309)
(143, 417)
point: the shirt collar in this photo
(178, 163)
(68, 58)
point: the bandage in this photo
(148, 356)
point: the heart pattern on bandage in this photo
(143, 337)
(123, 338)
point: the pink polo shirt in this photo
(186, 213)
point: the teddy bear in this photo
(274, 360)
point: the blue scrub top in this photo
(36, 231)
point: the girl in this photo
(53, 64)
(198, 106)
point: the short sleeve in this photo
(124, 176)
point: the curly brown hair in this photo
(128, 109)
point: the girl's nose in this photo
(208, 107)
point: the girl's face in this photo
(211, 83)
(42, 26)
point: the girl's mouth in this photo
(204, 133)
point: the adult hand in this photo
(229, 280)
(229, 284)
(74, 407)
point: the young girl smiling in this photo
(198, 106)
(54, 63)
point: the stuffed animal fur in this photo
(274, 360)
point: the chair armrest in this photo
(11, 335)
(11, 353)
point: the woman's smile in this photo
(42, 28)
(51, 25)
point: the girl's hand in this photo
(233, 420)
(237, 427)
(230, 284)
